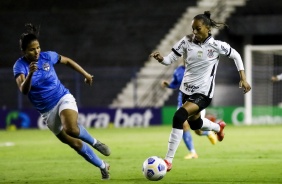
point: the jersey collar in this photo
(208, 39)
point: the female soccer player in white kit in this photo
(200, 52)
(187, 136)
(36, 77)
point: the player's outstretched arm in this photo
(71, 63)
(276, 78)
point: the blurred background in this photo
(112, 39)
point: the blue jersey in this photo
(46, 89)
(176, 82)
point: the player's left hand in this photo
(274, 79)
(245, 86)
(89, 79)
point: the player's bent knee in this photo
(74, 143)
(180, 116)
(196, 124)
(72, 131)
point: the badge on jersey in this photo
(46, 66)
(200, 54)
(210, 53)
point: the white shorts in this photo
(52, 117)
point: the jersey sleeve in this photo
(180, 47)
(54, 57)
(223, 48)
(174, 84)
(177, 77)
(18, 69)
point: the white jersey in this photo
(201, 61)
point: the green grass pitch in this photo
(248, 154)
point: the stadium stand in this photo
(113, 39)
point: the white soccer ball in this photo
(154, 168)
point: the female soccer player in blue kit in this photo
(187, 137)
(36, 77)
(201, 53)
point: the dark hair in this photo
(28, 36)
(206, 18)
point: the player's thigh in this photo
(191, 108)
(69, 121)
(68, 113)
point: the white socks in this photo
(103, 165)
(176, 136)
(94, 141)
(173, 143)
(209, 125)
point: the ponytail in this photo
(208, 21)
(28, 36)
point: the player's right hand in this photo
(157, 56)
(33, 67)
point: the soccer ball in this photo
(154, 168)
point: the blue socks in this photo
(187, 138)
(89, 155)
(87, 152)
(85, 136)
